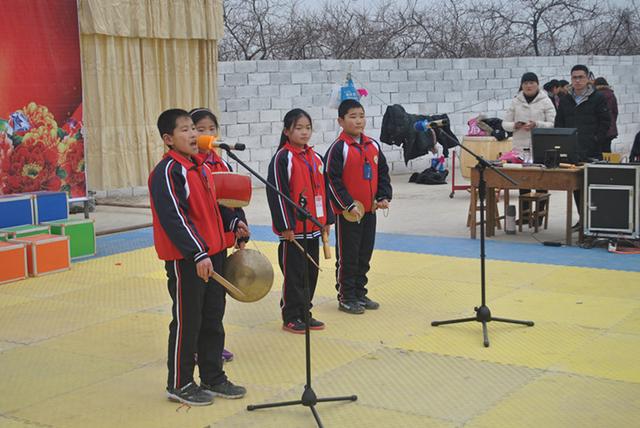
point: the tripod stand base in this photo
(309, 399)
(483, 315)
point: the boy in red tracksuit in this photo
(356, 170)
(188, 233)
(296, 170)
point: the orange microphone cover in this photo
(207, 142)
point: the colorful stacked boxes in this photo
(14, 261)
(25, 230)
(46, 253)
(81, 235)
(50, 206)
(16, 210)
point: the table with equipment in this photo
(567, 179)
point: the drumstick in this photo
(308, 256)
(325, 245)
(226, 284)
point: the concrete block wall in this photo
(255, 95)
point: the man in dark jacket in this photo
(586, 109)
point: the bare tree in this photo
(459, 31)
(544, 24)
(616, 32)
(253, 28)
(284, 29)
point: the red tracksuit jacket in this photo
(187, 221)
(296, 171)
(346, 162)
(217, 164)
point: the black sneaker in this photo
(225, 390)
(190, 394)
(296, 326)
(315, 324)
(351, 307)
(367, 303)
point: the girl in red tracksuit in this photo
(189, 235)
(206, 123)
(297, 171)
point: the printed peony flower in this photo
(72, 127)
(73, 166)
(40, 117)
(6, 147)
(32, 167)
(42, 135)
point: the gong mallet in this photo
(226, 284)
(308, 256)
(325, 245)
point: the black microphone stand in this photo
(483, 314)
(309, 398)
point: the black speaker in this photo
(612, 200)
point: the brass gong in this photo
(251, 272)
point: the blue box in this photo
(16, 210)
(50, 206)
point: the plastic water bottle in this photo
(510, 220)
(526, 154)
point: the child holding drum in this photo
(206, 123)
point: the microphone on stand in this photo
(208, 142)
(423, 125)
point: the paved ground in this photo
(86, 348)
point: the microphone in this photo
(208, 142)
(423, 125)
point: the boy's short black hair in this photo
(580, 67)
(167, 120)
(347, 105)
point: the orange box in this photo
(13, 257)
(46, 253)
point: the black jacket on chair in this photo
(398, 129)
(592, 119)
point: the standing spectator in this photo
(531, 108)
(563, 88)
(586, 109)
(603, 87)
(634, 156)
(552, 88)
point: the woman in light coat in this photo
(531, 108)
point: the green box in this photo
(25, 230)
(81, 233)
(3, 237)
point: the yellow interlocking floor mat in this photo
(87, 348)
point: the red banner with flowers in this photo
(41, 139)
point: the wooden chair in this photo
(538, 209)
(471, 215)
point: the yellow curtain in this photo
(163, 55)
